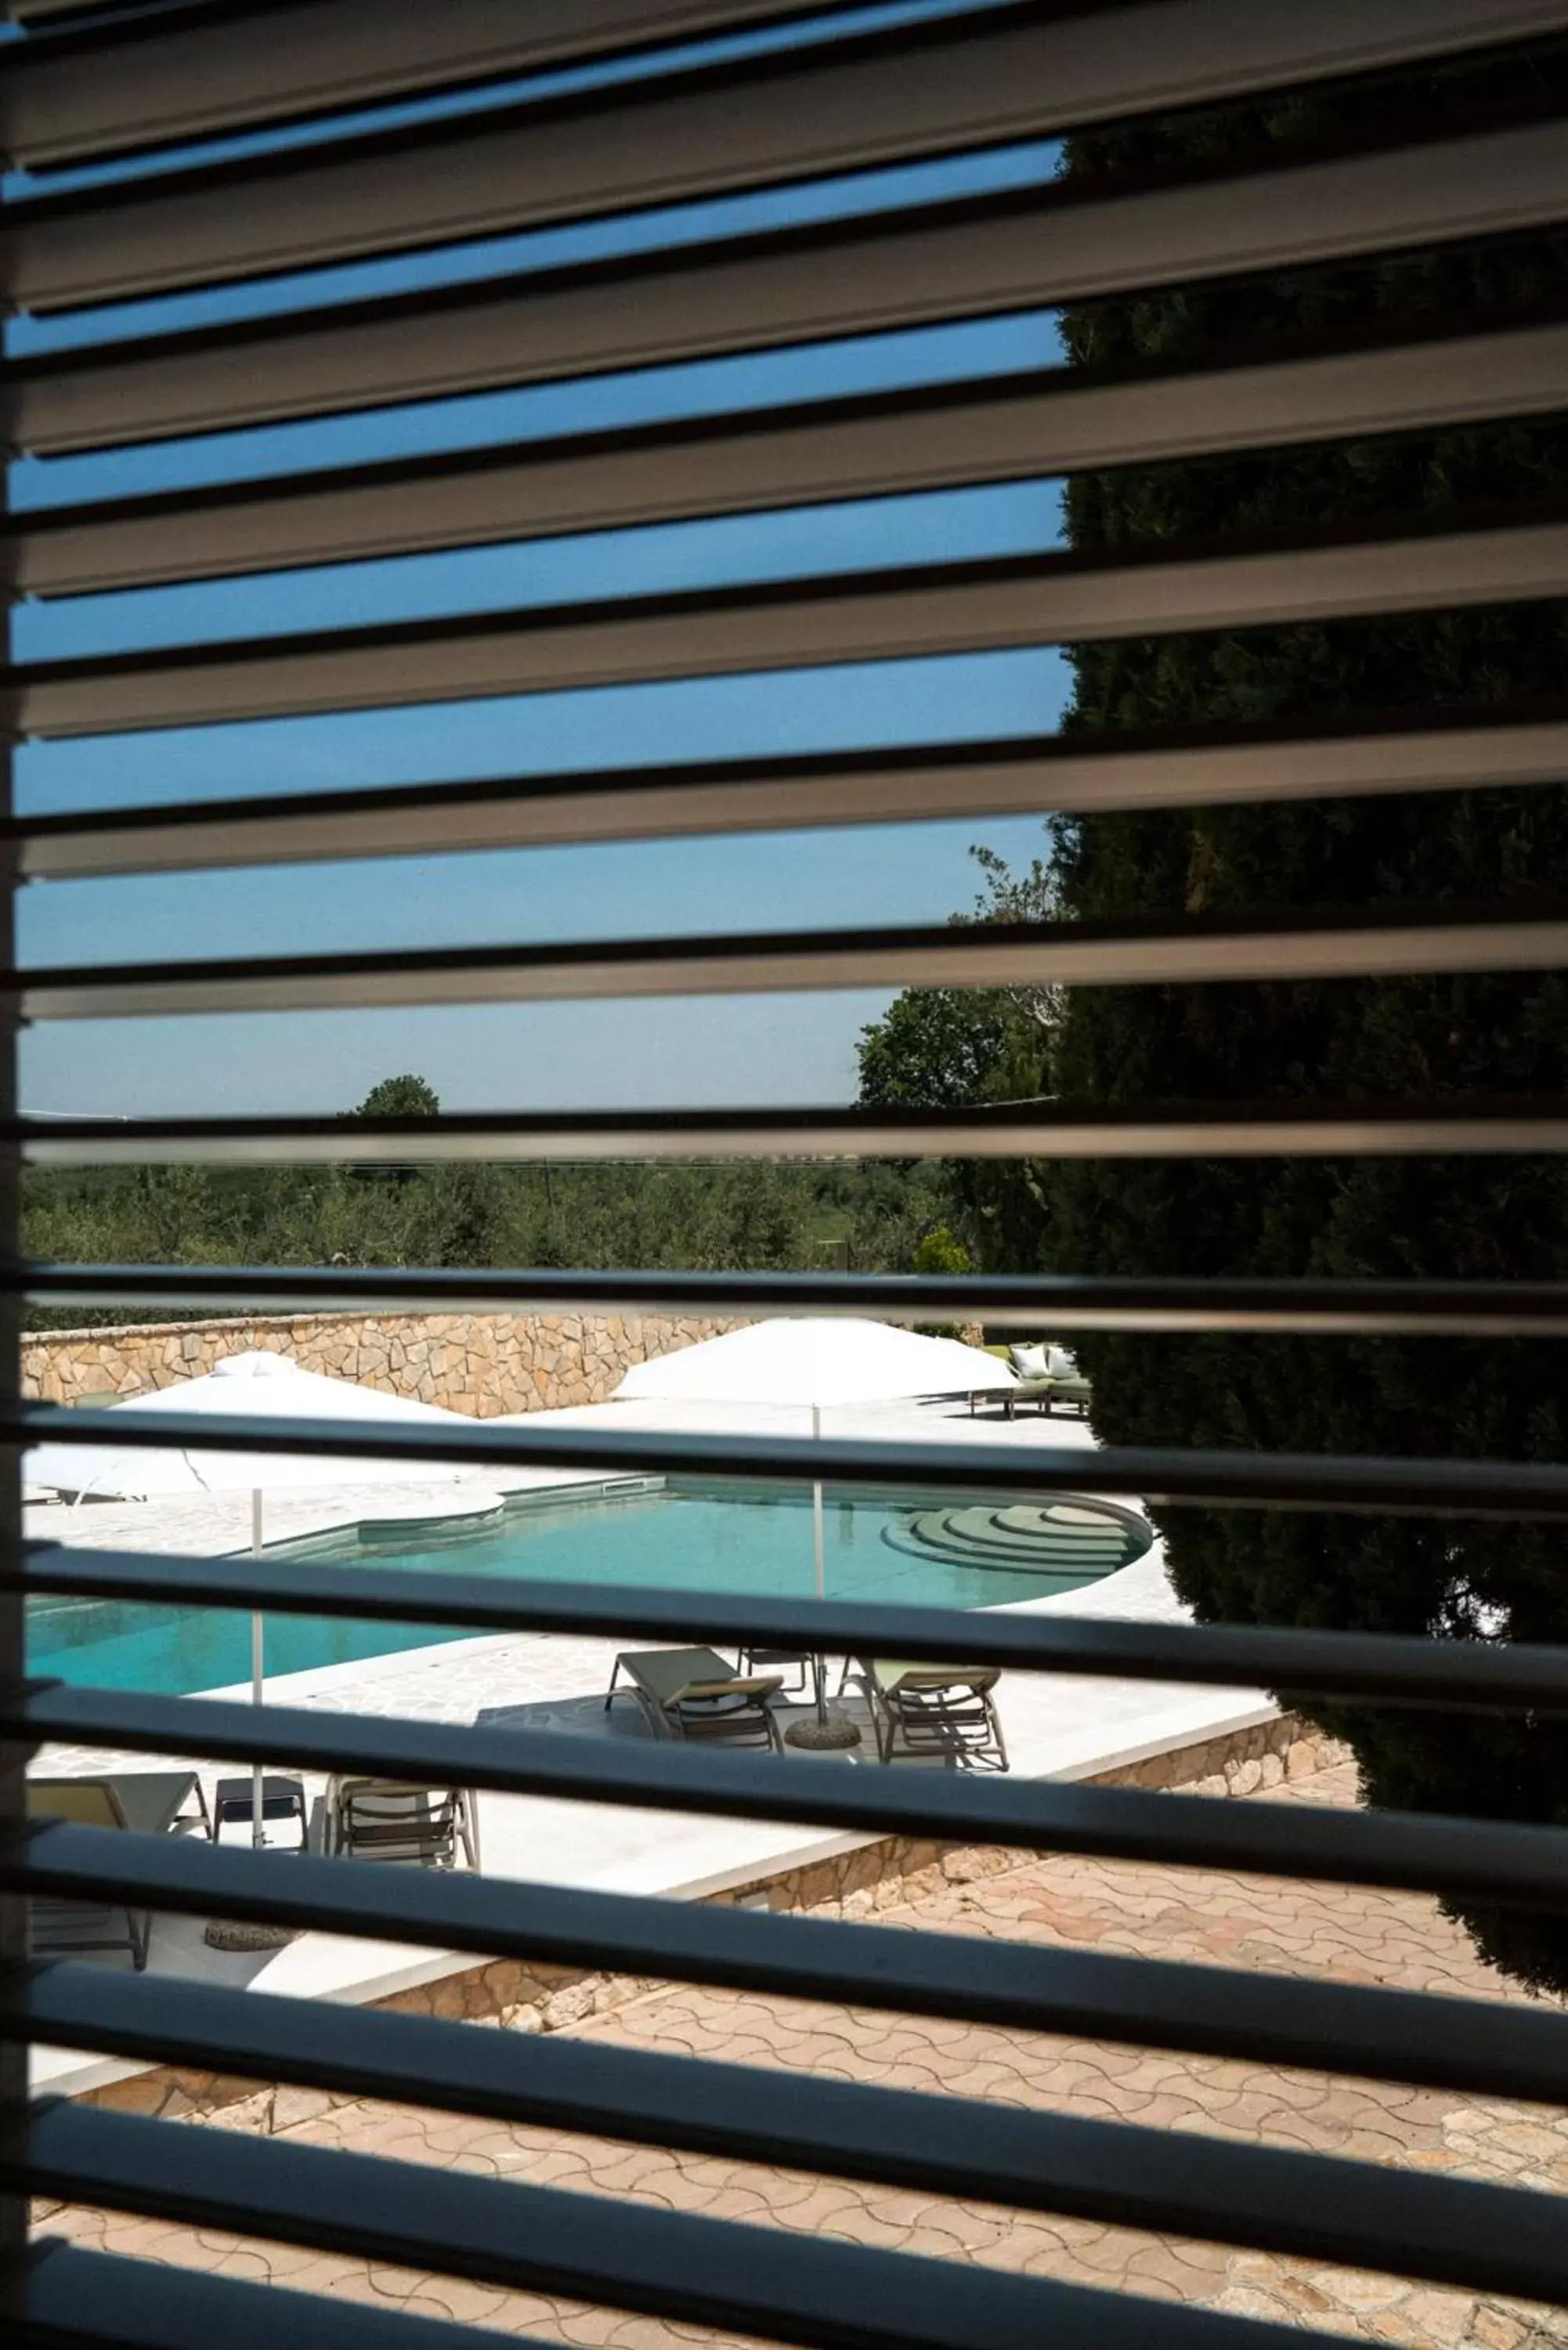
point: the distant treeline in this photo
(751, 1216)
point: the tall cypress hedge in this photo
(1470, 1217)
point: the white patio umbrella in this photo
(815, 1363)
(258, 1386)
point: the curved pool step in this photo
(939, 1537)
(1070, 1536)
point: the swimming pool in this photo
(963, 1552)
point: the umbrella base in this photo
(822, 1737)
(233, 1934)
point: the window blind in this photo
(352, 148)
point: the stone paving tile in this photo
(1300, 1930)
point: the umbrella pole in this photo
(829, 1731)
(821, 1563)
(258, 1834)
(224, 1934)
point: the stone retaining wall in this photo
(484, 1364)
(876, 1876)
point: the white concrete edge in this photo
(1122, 1758)
(749, 1873)
(71, 2073)
(350, 1510)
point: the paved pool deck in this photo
(1313, 1933)
(1056, 1725)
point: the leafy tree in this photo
(884, 1206)
(1456, 1036)
(955, 1048)
(940, 1252)
(946, 1047)
(405, 1096)
(167, 1209)
(933, 1048)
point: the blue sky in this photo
(799, 1048)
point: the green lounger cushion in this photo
(148, 1800)
(674, 1676)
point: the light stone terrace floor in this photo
(1332, 1933)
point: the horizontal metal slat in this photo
(1465, 751)
(101, 97)
(921, 89)
(82, 96)
(1031, 1302)
(70, 2300)
(1027, 1130)
(1490, 2048)
(1463, 1675)
(1353, 1482)
(103, 18)
(913, 439)
(633, 804)
(846, 104)
(973, 258)
(771, 2282)
(893, 614)
(1379, 943)
(1446, 2230)
(1414, 1853)
(53, 12)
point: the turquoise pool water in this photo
(967, 1552)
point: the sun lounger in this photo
(1050, 1394)
(692, 1694)
(941, 1712)
(147, 1803)
(1046, 1376)
(383, 1819)
(1049, 1378)
(805, 1666)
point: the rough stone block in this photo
(570, 2005)
(816, 1885)
(965, 1866)
(292, 2108)
(144, 2092)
